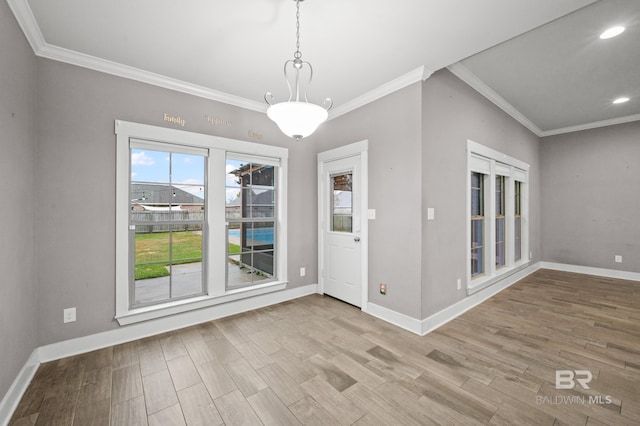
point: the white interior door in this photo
(341, 236)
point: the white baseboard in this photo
(174, 322)
(11, 399)
(133, 332)
(427, 325)
(396, 318)
(141, 330)
(588, 270)
(438, 319)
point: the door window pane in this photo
(342, 203)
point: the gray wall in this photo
(417, 159)
(453, 112)
(75, 186)
(58, 165)
(17, 141)
(392, 126)
(590, 203)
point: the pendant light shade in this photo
(297, 118)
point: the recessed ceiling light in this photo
(612, 32)
(621, 100)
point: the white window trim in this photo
(215, 292)
(491, 163)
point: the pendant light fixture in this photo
(297, 117)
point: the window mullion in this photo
(217, 251)
(509, 200)
(524, 220)
(171, 228)
(490, 220)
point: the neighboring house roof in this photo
(158, 193)
(263, 198)
(161, 209)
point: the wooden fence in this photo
(147, 222)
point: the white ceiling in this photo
(562, 76)
(233, 51)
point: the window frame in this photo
(168, 148)
(480, 217)
(216, 251)
(332, 206)
(500, 213)
(252, 159)
(492, 164)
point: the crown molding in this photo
(31, 30)
(419, 74)
(27, 23)
(593, 125)
(125, 71)
(464, 74)
(41, 48)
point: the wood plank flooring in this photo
(319, 361)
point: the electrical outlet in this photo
(459, 283)
(383, 288)
(618, 258)
(69, 315)
(303, 271)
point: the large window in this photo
(251, 220)
(167, 217)
(477, 224)
(501, 225)
(517, 238)
(200, 221)
(497, 212)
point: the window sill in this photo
(481, 283)
(157, 311)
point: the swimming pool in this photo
(263, 235)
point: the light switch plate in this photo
(371, 214)
(431, 213)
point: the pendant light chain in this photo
(297, 54)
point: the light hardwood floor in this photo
(316, 360)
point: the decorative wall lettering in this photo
(175, 120)
(254, 135)
(217, 121)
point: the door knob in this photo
(356, 239)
